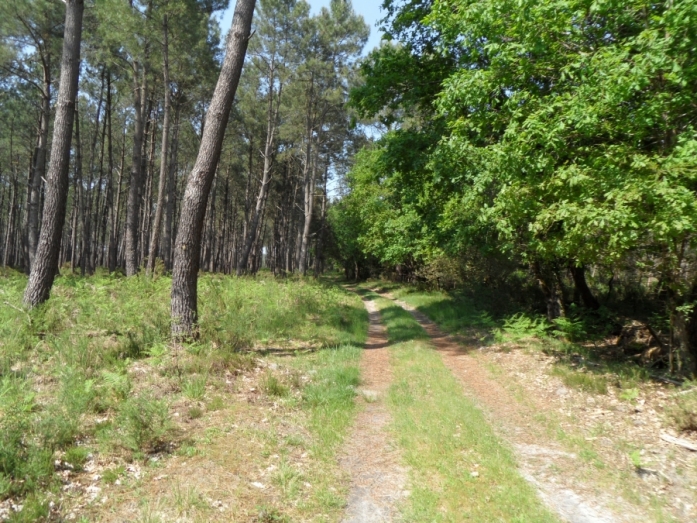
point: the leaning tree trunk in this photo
(45, 265)
(161, 185)
(187, 253)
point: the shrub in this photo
(144, 422)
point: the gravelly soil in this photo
(373, 463)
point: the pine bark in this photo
(45, 265)
(188, 243)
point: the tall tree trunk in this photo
(113, 233)
(171, 195)
(149, 169)
(134, 189)
(271, 119)
(308, 207)
(46, 260)
(6, 260)
(39, 168)
(188, 244)
(322, 226)
(109, 197)
(161, 184)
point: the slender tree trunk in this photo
(46, 260)
(134, 190)
(320, 235)
(149, 169)
(108, 210)
(162, 182)
(39, 168)
(271, 119)
(171, 196)
(113, 233)
(10, 226)
(309, 206)
(188, 244)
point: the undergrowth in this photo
(572, 340)
(92, 370)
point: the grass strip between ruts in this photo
(460, 470)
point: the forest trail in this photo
(371, 460)
(553, 471)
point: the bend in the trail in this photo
(550, 469)
(373, 463)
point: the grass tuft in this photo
(586, 381)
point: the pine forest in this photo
(210, 211)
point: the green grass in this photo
(71, 360)
(460, 471)
(586, 381)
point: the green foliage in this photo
(555, 132)
(521, 326)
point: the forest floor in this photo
(309, 401)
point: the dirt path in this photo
(554, 472)
(372, 461)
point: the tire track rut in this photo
(370, 457)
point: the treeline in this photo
(534, 142)
(147, 75)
